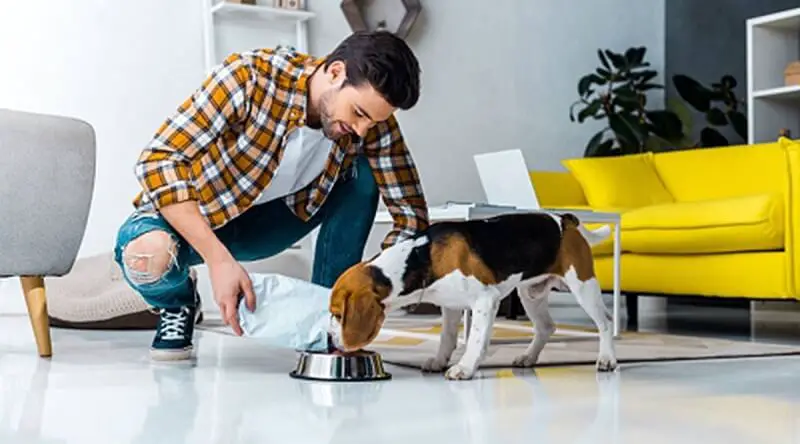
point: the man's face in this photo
(350, 109)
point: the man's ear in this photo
(362, 318)
(336, 72)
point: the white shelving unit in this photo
(222, 10)
(773, 41)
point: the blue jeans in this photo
(263, 231)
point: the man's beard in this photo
(327, 126)
(326, 121)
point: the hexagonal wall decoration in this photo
(355, 18)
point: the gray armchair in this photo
(47, 171)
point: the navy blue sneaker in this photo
(175, 330)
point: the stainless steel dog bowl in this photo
(360, 366)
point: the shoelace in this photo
(173, 325)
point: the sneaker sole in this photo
(170, 355)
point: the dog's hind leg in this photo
(534, 300)
(447, 341)
(590, 298)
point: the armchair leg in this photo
(33, 286)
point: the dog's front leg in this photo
(484, 312)
(447, 341)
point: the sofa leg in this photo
(632, 306)
(35, 299)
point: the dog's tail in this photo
(593, 237)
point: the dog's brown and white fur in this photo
(475, 265)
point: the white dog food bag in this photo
(290, 313)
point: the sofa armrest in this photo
(556, 189)
(792, 245)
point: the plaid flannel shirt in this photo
(224, 143)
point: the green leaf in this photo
(603, 59)
(606, 148)
(739, 123)
(716, 117)
(627, 129)
(627, 106)
(572, 110)
(658, 144)
(692, 92)
(590, 110)
(604, 73)
(630, 148)
(584, 84)
(682, 112)
(635, 56)
(627, 94)
(728, 82)
(711, 138)
(587, 81)
(666, 125)
(616, 59)
(649, 86)
(594, 144)
(646, 76)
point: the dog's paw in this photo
(606, 364)
(434, 365)
(525, 361)
(459, 372)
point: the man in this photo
(273, 144)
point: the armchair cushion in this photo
(46, 183)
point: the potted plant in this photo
(719, 104)
(617, 93)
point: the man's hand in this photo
(229, 282)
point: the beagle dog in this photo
(475, 265)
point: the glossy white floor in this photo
(101, 388)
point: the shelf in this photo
(784, 20)
(262, 12)
(791, 92)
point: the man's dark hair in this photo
(385, 61)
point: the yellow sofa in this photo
(718, 222)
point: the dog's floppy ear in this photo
(360, 314)
(356, 302)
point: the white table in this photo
(470, 211)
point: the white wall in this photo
(120, 65)
(501, 74)
(124, 65)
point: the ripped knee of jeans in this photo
(149, 257)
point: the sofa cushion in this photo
(619, 182)
(719, 173)
(557, 189)
(747, 223)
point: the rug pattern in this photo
(410, 342)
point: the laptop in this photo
(505, 179)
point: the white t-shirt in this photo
(303, 160)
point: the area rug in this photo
(409, 342)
